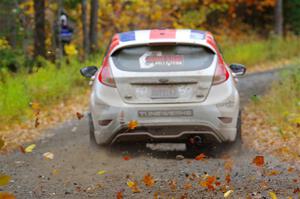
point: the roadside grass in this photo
(271, 123)
(281, 105)
(46, 86)
(256, 52)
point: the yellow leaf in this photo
(4, 179)
(30, 148)
(130, 183)
(70, 49)
(228, 193)
(35, 106)
(272, 195)
(48, 156)
(133, 186)
(101, 172)
(132, 124)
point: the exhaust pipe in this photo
(197, 140)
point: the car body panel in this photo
(189, 115)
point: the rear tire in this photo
(93, 142)
(237, 145)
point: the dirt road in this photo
(73, 171)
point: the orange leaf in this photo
(120, 195)
(148, 180)
(228, 179)
(187, 186)
(259, 161)
(126, 158)
(4, 195)
(201, 156)
(291, 169)
(132, 124)
(79, 115)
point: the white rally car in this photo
(164, 85)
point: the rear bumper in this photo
(222, 101)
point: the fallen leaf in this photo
(187, 186)
(133, 186)
(157, 195)
(228, 179)
(148, 180)
(291, 169)
(36, 122)
(184, 196)
(120, 195)
(29, 148)
(209, 182)
(201, 156)
(4, 179)
(297, 190)
(173, 185)
(273, 173)
(132, 124)
(264, 185)
(55, 172)
(22, 149)
(228, 165)
(126, 158)
(259, 161)
(79, 115)
(35, 106)
(48, 156)
(5, 195)
(101, 172)
(2, 142)
(272, 195)
(228, 193)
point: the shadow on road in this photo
(170, 150)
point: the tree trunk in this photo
(279, 18)
(93, 25)
(84, 28)
(39, 31)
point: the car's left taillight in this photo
(105, 75)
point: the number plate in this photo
(170, 113)
(164, 92)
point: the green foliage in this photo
(292, 16)
(46, 85)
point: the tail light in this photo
(105, 76)
(221, 73)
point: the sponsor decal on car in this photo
(153, 58)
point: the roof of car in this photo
(163, 34)
(137, 37)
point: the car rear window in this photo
(164, 58)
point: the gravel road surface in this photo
(73, 171)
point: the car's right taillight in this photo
(221, 73)
(105, 75)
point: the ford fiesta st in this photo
(173, 85)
